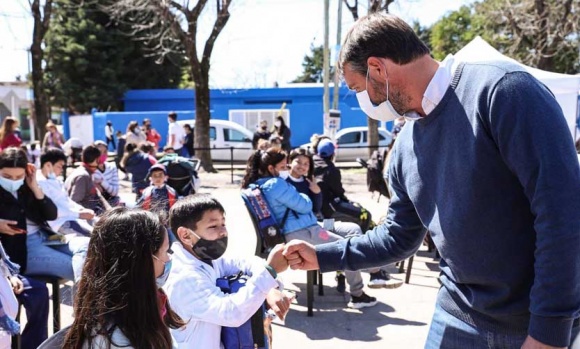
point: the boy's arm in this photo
(197, 297)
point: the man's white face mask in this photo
(381, 112)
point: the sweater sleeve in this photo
(397, 238)
(534, 140)
(79, 189)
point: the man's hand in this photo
(9, 227)
(276, 260)
(278, 302)
(87, 214)
(301, 255)
(17, 285)
(531, 343)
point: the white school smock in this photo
(194, 296)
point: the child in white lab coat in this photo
(8, 303)
(198, 222)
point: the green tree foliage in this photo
(313, 66)
(91, 62)
(538, 33)
(455, 30)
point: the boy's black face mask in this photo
(210, 249)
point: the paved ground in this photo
(400, 320)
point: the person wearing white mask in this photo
(73, 219)
(24, 231)
(487, 165)
(282, 132)
(293, 211)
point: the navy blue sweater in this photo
(492, 173)
(304, 188)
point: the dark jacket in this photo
(25, 207)
(260, 135)
(138, 165)
(330, 181)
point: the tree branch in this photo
(220, 22)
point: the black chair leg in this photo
(320, 285)
(402, 266)
(409, 267)
(55, 306)
(310, 277)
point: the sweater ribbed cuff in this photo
(330, 256)
(550, 330)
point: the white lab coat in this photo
(194, 296)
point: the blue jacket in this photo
(282, 195)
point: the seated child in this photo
(158, 197)
(32, 294)
(198, 221)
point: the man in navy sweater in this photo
(487, 164)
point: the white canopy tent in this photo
(564, 87)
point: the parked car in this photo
(224, 134)
(352, 143)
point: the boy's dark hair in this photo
(189, 210)
(90, 154)
(52, 155)
(172, 115)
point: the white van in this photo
(224, 134)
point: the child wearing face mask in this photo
(106, 176)
(198, 221)
(80, 185)
(158, 197)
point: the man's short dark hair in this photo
(189, 210)
(172, 115)
(90, 154)
(380, 35)
(52, 155)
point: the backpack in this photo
(270, 232)
(375, 179)
(181, 173)
(251, 334)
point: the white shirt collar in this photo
(436, 88)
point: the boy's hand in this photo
(278, 302)
(87, 214)
(17, 285)
(276, 260)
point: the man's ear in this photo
(377, 67)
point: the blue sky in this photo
(263, 42)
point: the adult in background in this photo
(25, 233)
(137, 163)
(9, 134)
(121, 304)
(110, 135)
(134, 133)
(282, 132)
(175, 135)
(151, 134)
(121, 142)
(188, 141)
(52, 138)
(106, 176)
(488, 166)
(261, 133)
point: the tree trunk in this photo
(41, 113)
(202, 117)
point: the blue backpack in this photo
(263, 217)
(251, 334)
